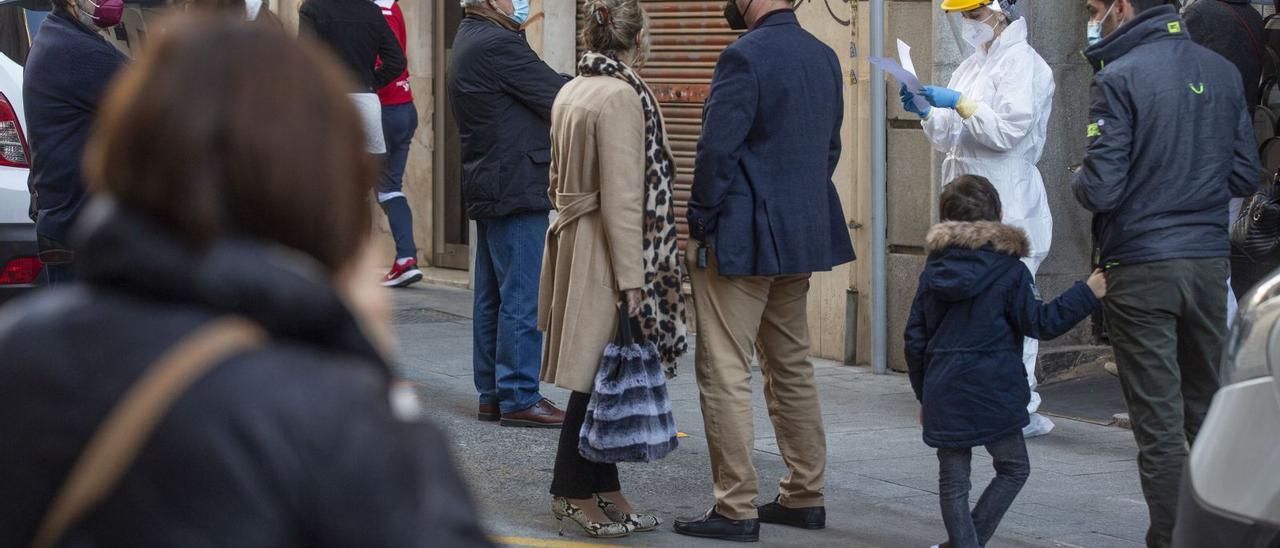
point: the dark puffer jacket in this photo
(359, 35)
(1170, 142)
(976, 303)
(1234, 30)
(291, 444)
(502, 95)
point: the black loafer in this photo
(716, 526)
(804, 518)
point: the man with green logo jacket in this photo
(1170, 142)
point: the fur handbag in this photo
(629, 415)
(1256, 231)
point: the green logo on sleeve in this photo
(1095, 130)
(1197, 89)
(1175, 27)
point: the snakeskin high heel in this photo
(639, 523)
(563, 509)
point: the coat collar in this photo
(1001, 238)
(492, 17)
(284, 291)
(784, 16)
(1156, 24)
(1014, 34)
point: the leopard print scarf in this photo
(663, 307)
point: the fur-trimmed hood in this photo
(1002, 238)
(967, 258)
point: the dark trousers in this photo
(576, 477)
(1168, 322)
(58, 259)
(1247, 274)
(972, 529)
(399, 122)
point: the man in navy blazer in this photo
(765, 215)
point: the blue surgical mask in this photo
(521, 13)
(1094, 34)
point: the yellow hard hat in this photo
(963, 5)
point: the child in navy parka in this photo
(975, 304)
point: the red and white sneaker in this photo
(403, 274)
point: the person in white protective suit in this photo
(991, 121)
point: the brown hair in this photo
(613, 26)
(970, 198)
(226, 127)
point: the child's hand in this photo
(1098, 283)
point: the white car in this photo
(20, 268)
(1231, 488)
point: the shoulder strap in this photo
(1257, 44)
(118, 440)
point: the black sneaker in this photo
(804, 518)
(716, 526)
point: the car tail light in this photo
(13, 143)
(23, 270)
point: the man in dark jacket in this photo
(66, 75)
(1233, 29)
(502, 94)
(765, 215)
(1170, 142)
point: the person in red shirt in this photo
(399, 123)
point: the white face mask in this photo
(977, 33)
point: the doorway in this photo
(452, 229)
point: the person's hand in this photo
(1098, 283)
(633, 302)
(942, 97)
(909, 103)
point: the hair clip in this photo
(602, 15)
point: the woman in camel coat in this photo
(611, 250)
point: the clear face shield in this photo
(976, 28)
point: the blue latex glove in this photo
(942, 97)
(909, 103)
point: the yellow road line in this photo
(542, 543)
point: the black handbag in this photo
(1255, 233)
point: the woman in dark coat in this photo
(208, 213)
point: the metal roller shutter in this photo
(687, 36)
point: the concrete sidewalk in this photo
(881, 478)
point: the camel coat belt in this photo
(595, 247)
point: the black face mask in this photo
(734, 16)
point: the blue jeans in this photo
(967, 529)
(508, 345)
(399, 123)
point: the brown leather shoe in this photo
(489, 412)
(543, 414)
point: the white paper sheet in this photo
(903, 72)
(904, 57)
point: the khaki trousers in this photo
(736, 317)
